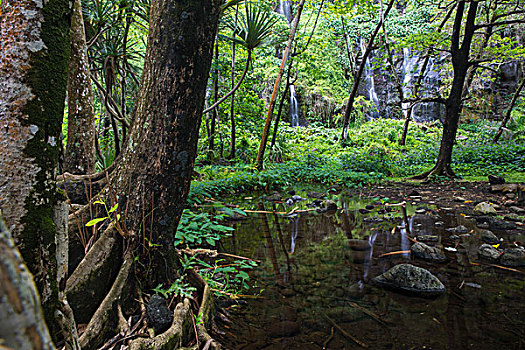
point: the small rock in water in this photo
(364, 211)
(375, 219)
(473, 285)
(330, 204)
(485, 208)
(297, 198)
(411, 279)
(517, 210)
(514, 256)
(289, 201)
(459, 199)
(458, 229)
(489, 237)
(439, 224)
(428, 238)
(496, 180)
(359, 244)
(426, 252)
(513, 217)
(484, 225)
(369, 207)
(454, 237)
(421, 211)
(291, 193)
(160, 317)
(486, 251)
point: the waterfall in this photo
(369, 80)
(408, 69)
(285, 9)
(294, 107)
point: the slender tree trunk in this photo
(34, 55)
(264, 138)
(214, 114)
(281, 104)
(509, 111)
(80, 155)
(232, 103)
(453, 104)
(357, 77)
(22, 324)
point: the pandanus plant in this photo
(251, 31)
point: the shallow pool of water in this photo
(316, 269)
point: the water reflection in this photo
(321, 263)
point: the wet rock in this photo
(439, 224)
(513, 217)
(428, 238)
(510, 195)
(291, 192)
(364, 211)
(504, 188)
(317, 195)
(458, 229)
(454, 237)
(496, 180)
(410, 279)
(489, 237)
(369, 207)
(517, 210)
(494, 223)
(421, 211)
(488, 252)
(459, 199)
(283, 329)
(514, 256)
(484, 225)
(330, 204)
(275, 197)
(297, 198)
(160, 317)
(422, 251)
(289, 201)
(484, 208)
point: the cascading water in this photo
(285, 8)
(294, 107)
(425, 111)
(369, 80)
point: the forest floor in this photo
(460, 196)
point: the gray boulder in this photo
(513, 257)
(489, 237)
(410, 279)
(488, 252)
(426, 252)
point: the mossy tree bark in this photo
(80, 151)
(34, 54)
(22, 324)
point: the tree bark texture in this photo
(80, 151)
(34, 54)
(153, 177)
(22, 324)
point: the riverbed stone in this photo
(458, 229)
(423, 251)
(411, 279)
(488, 252)
(283, 329)
(514, 256)
(160, 317)
(489, 237)
(485, 208)
(517, 210)
(513, 217)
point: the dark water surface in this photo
(316, 269)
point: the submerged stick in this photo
(368, 312)
(395, 253)
(329, 339)
(345, 333)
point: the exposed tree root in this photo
(174, 337)
(104, 321)
(93, 277)
(438, 170)
(92, 177)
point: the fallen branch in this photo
(329, 339)
(395, 253)
(345, 333)
(499, 267)
(368, 312)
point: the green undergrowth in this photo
(370, 154)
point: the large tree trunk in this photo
(34, 55)
(153, 178)
(80, 151)
(22, 324)
(454, 104)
